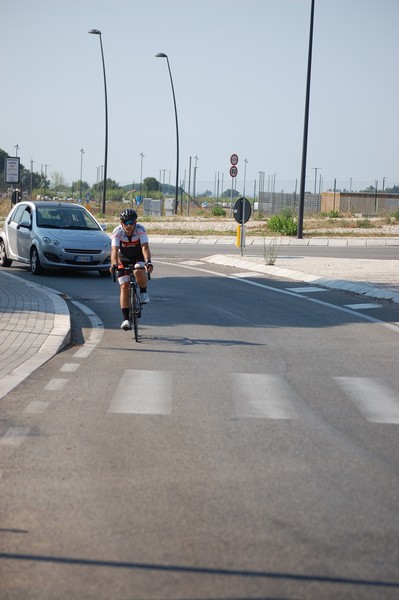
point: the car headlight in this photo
(48, 241)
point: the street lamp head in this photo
(95, 31)
(161, 55)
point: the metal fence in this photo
(272, 203)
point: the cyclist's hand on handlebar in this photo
(113, 270)
(149, 266)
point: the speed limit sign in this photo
(233, 171)
(234, 159)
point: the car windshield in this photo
(67, 217)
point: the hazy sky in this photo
(239, 72)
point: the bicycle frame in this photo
(134, 298)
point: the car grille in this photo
(78, 251)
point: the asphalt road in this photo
(247, 448)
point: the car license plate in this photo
(84, 259)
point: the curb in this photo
(338, 284)
(55, 341)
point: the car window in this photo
(75, 218)
(26, 215)
(65, 217)
(16, 215)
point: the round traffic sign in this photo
(234, 159)
(233, 171)
(242, 205)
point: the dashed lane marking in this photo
(55, 385)
(35, 407)
(14, 436)
(363, 306)
(306, 290)
(248, 274)
(70, 367)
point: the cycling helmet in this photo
(128, 214)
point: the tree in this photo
(58, 180)
(230, 194)
(111, 185)
(151, 184)
(393, 190)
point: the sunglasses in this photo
(128, 222)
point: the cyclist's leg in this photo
(123, 280)
(142, 279)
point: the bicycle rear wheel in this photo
(134, 311)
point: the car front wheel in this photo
(4, 260)
(35, 266)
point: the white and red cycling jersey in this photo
(130, 251)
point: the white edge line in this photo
(390, 326)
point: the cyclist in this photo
(129, 245)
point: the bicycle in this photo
(134, 297)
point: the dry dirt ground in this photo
(228, 226)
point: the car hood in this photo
(72, 236)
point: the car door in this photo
(12, 230)
(24, 234)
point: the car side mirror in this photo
(103, 226)
(25, 224)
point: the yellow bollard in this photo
(238, 237)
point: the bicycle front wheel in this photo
(134, 311)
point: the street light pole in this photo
(98, 32)
(315, 177)
(245, 175)
(81, 172)
(162, 55)
(141, 172)
(305, 128)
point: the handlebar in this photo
(128, 270)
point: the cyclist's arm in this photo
(147, 255)
(114, 254)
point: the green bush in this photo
(364, 224)
(284, 223)
(218, 211)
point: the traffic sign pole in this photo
(233, 173)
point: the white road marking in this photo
(83, 352)
(143, 393)
(248, 274)
(391, 326)
(70, 367)
(55, 384)
(36, 406)
(305, 290)
(378, 403)
(96, 334)
(263, 396)
(363, 306)
(14, 436)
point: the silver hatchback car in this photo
(48, 235)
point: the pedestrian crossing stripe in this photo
(254, 396)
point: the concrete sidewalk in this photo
(35, 322)
(34, 326)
